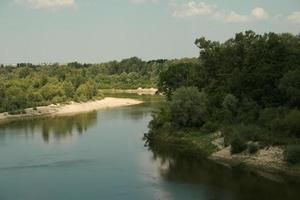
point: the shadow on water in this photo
(222, 182)
(57, 128)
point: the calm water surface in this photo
(101, 155)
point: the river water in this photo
(101, 155)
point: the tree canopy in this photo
(251, 82)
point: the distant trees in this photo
(86, 91)
(69, 89)
(28, 85)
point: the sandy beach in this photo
(139, 91)
(71, 108)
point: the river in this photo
(101, 155)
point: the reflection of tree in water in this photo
(221, 182)
(56, 127)
(61, 127)
(137, 112)
(150, 104)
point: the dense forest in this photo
(26, 85)
(247, 88)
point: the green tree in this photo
(69, 89)
(51, 90)
(230, 105)
(290, 86)
(15, 99)
(87, 91)
(189, 107)
(174, 77)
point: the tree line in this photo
(247, 87)
(28, 85)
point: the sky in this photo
(94, 31)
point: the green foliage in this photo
(86, 91)
(290, 86)
(51, 90)
(28, 85)
(69, 89)
(230, 106)
(161, 120)
(17, 112)
(175, 76)
(289, 124)
(188, 107)
(210, 127)
(292, 154)
(251, 84)
(252, 148)
(238, 144)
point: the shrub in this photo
(189, 107)
(292, 154)
(238, 144)
(290, 124)
(230, 107)
(252, 148)
(210, 127)
(17, 112)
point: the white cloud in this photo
(194, 9)
(191, 9)
(294, 17)
(231, 16)
(259, 13)
(143, 1)
(37, 4)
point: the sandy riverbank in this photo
(268, 161)
(139, 91)
(71, 108)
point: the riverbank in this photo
(139, 91)
(267, 162)
(70, 108)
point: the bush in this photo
(290, 124)
(292, 154)
(252, 148)
(17, 112)
(238, 144)
(210, 127)
(189, 107)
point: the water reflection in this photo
(222, 182)
(140, 111)
(57, 128)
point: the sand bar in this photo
(139, 91)
(71, 108)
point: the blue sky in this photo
(96, 30)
